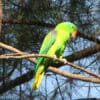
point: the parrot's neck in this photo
(61, 26)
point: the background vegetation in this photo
(24, 25)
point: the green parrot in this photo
(53, 44)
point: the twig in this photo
(62, 98)
(74, 76)
(15, 50)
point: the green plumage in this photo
(54, 44)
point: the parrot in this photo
(53, 44)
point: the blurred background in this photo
(24, 25)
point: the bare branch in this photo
(10, 48)
(18, 56)
(74, 76)
(73, 57)
(43, 24)
(27, 22)
(89, 37)
(83, 53)
(26, 55)
(13, 83)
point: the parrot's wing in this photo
(48, 42)
(46, 45)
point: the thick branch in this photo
(89, 37)
(42, 24)
(13, 83)
(28, 22)
(83, 53)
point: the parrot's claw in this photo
(64, 60)
(54, 57)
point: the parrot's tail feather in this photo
(38, 77)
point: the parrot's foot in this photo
(54, 57)
(64, 60)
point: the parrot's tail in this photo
(38, 77)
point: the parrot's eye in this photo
(72, 26)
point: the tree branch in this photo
(27, 22)
(75, 56)
(18, 56)
(83, 53)
(74, 76)
(89, 37)
(13, 83)
(10, 48)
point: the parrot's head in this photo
(69, 27)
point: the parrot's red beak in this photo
(74, 34)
